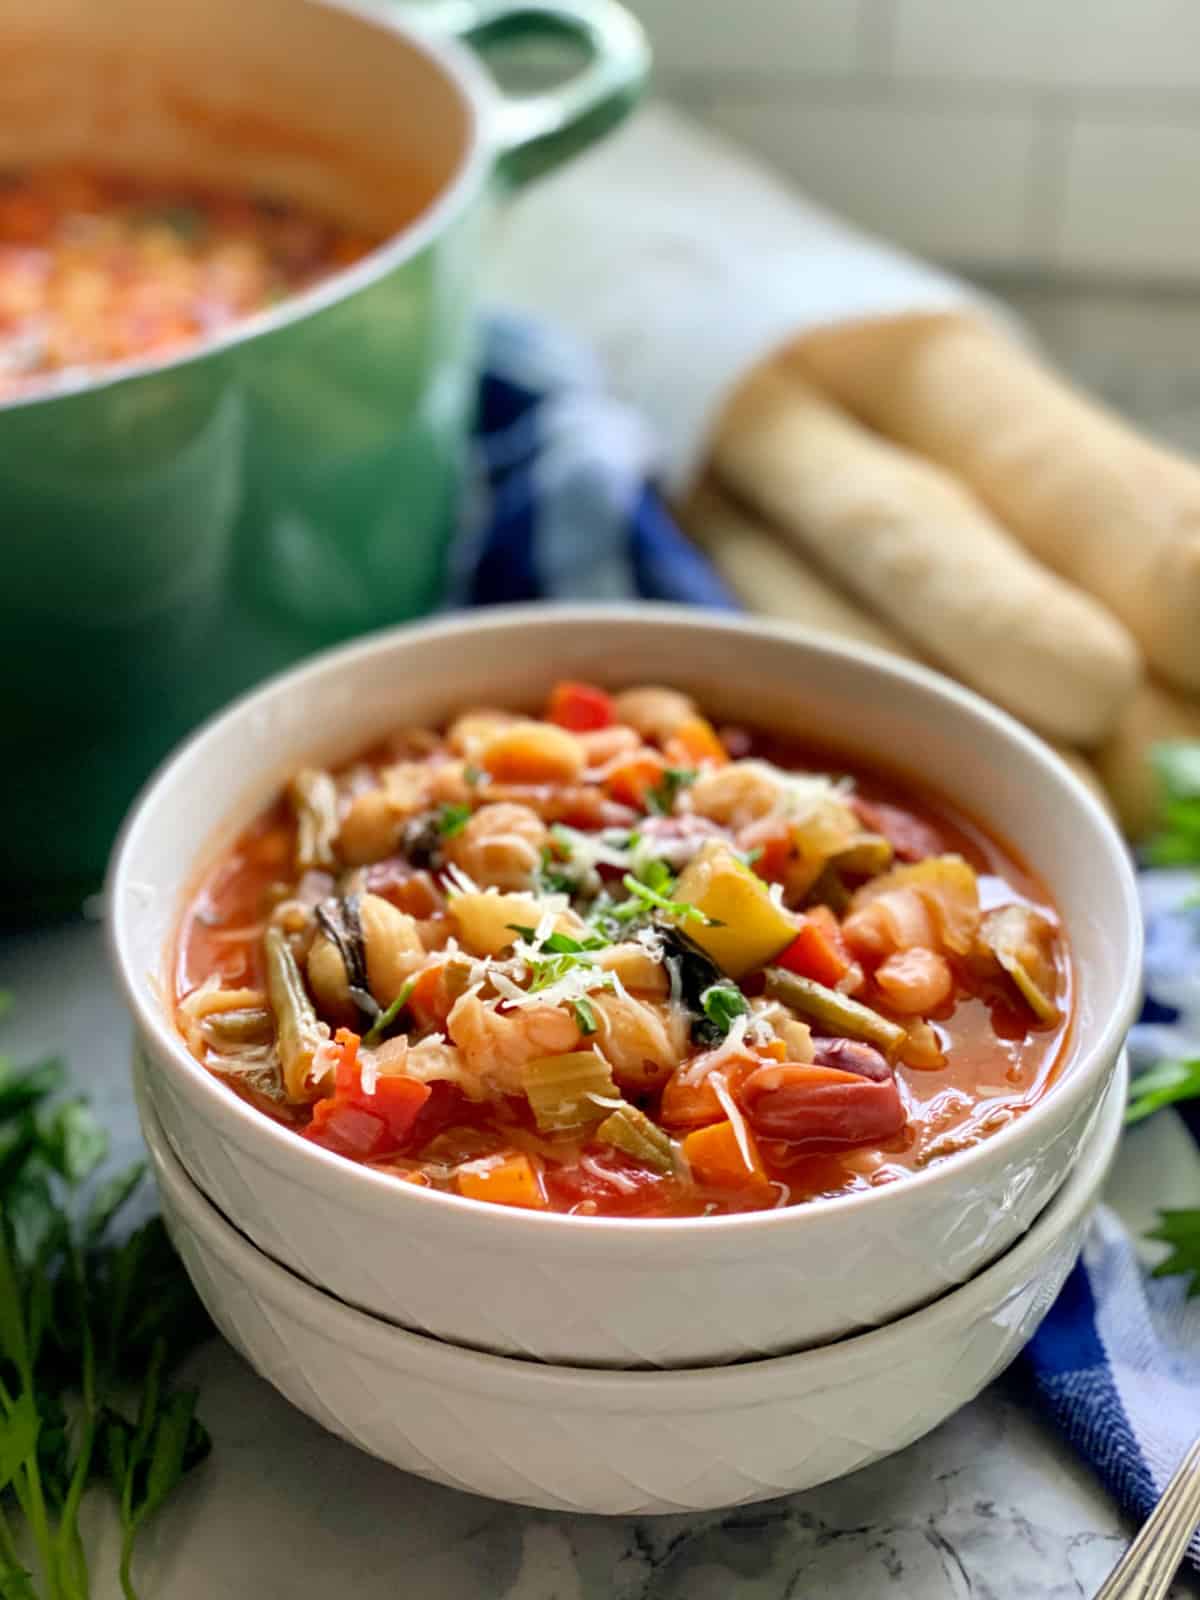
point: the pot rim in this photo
(361, 1189)
(479, 98)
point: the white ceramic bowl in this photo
(607, 1291)
(626, 1442)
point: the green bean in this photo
(833, 1010)
(299, 1035)
(246, 1025)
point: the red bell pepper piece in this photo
(580, 707)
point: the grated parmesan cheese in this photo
(731, 1047)
(736, 1120)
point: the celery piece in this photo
(562, 1090)
(632, 1132)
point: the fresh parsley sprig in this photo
(83, 1315)
(1180, 1230)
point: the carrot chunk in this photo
(716, 1158)
(817, 951)
(511, 1182)
(632, 781)
(694, 743)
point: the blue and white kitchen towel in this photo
(563, 508)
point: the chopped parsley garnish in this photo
(656, 875)
(452, 820)
(662, 799)
(561, 944)
(655, 899)
(721, 1003)
(584, 1016)
(551, 878)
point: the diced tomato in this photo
(359, 1124)
(580, 707)
(398, 1101)
(818, 951)
(347, 1130)
(821, 1108)
(695, 743)
(631, 782)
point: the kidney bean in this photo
(822, 1107)
(852, 1055)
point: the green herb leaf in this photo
(109, 1200)
(18, 1437)
(1162, 1085)
(561, 944)
(1180, 1230)
(72, 1141)
(721, 1003)
(20, 1090)
(1176, 764)
(378, 1029)
(649, 896)
(662, 799)
(452, 820)
(584, 1016)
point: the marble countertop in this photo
(992, 1505)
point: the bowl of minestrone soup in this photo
(627, 1443)
(624, 989)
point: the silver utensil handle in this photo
(1146, 1569)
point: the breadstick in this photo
(771, 579)
(917, 551)
(1154, 714)
(1085, 493)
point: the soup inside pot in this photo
(614, 960)
(98, 267)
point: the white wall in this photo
(1059, 135)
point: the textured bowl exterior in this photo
(617, 1442)
(604, 1292)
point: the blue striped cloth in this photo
(1116, 1363)
(563, 509)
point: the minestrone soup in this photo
(614, 960)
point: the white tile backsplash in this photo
(1130, 202)
(805, 37)
(1068, 44)
(1030, 133)
(946, 182)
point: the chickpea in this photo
(467, 734)
(653, 712)
(500, 847)
(370, 829)
(533, 752)
(736, 795)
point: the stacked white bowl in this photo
(587, 1363)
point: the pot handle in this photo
(540, 131)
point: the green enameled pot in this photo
(175, 530)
